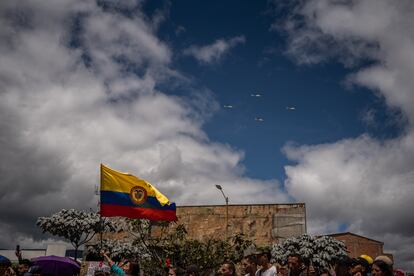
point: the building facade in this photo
(264, 224)
(359, 245)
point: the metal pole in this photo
(227, 218)
(101, 224)
(226, 198)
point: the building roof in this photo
(263, 204)
(352, 234)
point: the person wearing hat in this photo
(367, 258)
(361, 267)
(385, 259)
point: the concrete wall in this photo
(56, 249)
(263, 223)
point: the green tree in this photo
(181, 251)
(79, 227)
(174, 246)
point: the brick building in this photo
(358, 245)
(262, 223)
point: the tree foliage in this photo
(173, 246)
(79, 227)
(119, 250)
(208, 254)
(320, 251)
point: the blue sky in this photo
(141, 86)
(326, 110)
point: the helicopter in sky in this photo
(256, 95)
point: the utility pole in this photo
(226, 198)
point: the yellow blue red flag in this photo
(126, 195)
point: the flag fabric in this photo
(126, 195)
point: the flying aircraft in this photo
(258, 119)
(227, 106)
(256, 95)
(292, 108)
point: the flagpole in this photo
(99, 203)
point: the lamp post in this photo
(226, 198)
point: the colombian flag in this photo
(126, 195)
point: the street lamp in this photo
(226, 198)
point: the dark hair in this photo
(251, 259)
(192, 269)
(385, 268)
(296, 255)
(267, 254)
(25, 262)
(342, 266)
(364, 263)
(134, 268)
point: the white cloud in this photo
(361, 182)
(214, 52)
(78, 88)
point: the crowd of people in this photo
(24, 267)
(261, 265)
(252, 265)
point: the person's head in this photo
(264, 258)
(35, 270)
(386, 260)
(23, 266)
(360, 267)
(133, 269)
(367, 258)
(130, 268)
(343, 266)
(192, 270)
(124, 265)
(171, 272)
(381, 268)
(282, 270)
(325, 272)
(294, 262)
(249, 264)
(227, 269)
(356, 269)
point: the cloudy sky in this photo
(296, 101)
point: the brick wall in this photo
(262, 223)
(358, 245)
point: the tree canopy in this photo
(79, 227)
(320, 251)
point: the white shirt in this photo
(271, 271)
